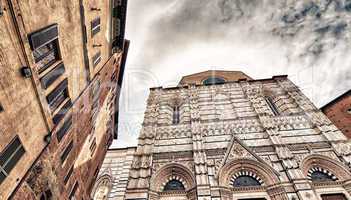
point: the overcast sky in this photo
(310, 42)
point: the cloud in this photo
(308, 40)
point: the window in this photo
(58, 116)
(213, 80)
(73, 191)
(271, 105)
(68, 175)
(319, 176)
(66, 152)
(93, 146)
(51, 76)
(96, 58)
(47, 195)
(44, 44)
(95, 26)
(96, 90)
(174, 185)
(64, 129)
(176, 115)
(9, 157)
(244, 181)
(58, 95)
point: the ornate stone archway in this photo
(102, 187)
(267, 179)
(331, 165)
(339, 174)
(168, 173)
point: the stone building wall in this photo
(248, 139)
(339, 112)
(112, 180)
(59, 86)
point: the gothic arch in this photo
(336, 168)
(260, 171)
(172, 172)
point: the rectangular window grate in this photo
(58, 95)
(64, 129)
(95, 26)
(96, 58)
(51, 76)
(69, 174)
(10, 157)
(66, 152)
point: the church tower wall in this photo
(243, 139)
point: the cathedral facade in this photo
(221, 135)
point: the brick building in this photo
(339, 112)
(62, 65)
(231, 137)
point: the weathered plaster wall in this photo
(22, 113)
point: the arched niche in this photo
(172, 172)
(264, 174)
(102, 188)
(329, 165)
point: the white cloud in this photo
(171, 38)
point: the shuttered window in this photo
(10, 157)
(66, 152)
(93, 147)
(57, 118)
(64, 129)
(95, 26)
(69, 174)
(45, 46)
(73, 191)
(96, 58)
(51, 76)
(58, 95)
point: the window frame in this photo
(95, 26)
(272, 106)
(12, 154)
(49, 78)
(176, 115)
(41, 38)
(96, 59)
(73, 191)
(68, 175)
(64, 129)
(58, 95)
(65, 154)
